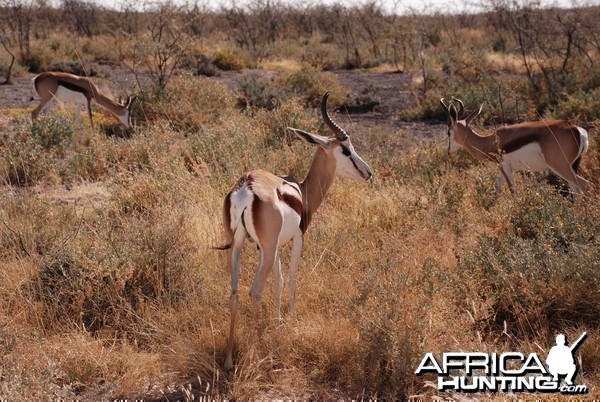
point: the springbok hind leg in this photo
(576, 183)
(44, 103)
(233, 263)
(268, 255)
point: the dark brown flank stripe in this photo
(291, 201)
(303, 221)
(73, 87)
(227, 210)
(520, 142)
(256, 211)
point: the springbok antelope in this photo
(71, 88)
(271, 210)
(535, 146)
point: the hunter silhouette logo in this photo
(560, 360)
(506, 372)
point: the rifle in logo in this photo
(560, 360)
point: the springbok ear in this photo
(473, 115)
(311, 138)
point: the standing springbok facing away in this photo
(71, 88)
(536, 146)
(272, 210)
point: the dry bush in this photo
(186, 103)
(33, 153)
(310, 84)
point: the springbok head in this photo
(348, 164)
(126, 118)
(457, 123)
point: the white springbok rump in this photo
(272, 210)
(536, 146)
(69, 88)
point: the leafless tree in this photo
(84, 16)
(12, 61)
(20, 16)
(164, 44)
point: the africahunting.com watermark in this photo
(507, 372)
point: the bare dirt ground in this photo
(390, 93)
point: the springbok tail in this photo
(223, 247)
(32, 88)
(236, 203)
(575, 164)
(584, 141)
(583, 147)
(239, 200)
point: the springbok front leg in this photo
(506, 176)
(297, 243)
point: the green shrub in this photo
(581, 106)
(200, 64)
(101, 50)
(323, 56)
(311, 84)
(39, 58)
(53, 131)
(538, 272)
(187, 103)
(227, 60)
(33, 153)
(258, 92)
(273, 124)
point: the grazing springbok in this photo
(536, 146)
(71, 88)
(271, 210)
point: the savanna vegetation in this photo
(110, 287)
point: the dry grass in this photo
(108, 276)
(287, 65)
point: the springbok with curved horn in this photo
(71, 88)
(536, 146)
(271, 210)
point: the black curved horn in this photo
(461, 112)
(337, 130)
(447, 108)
